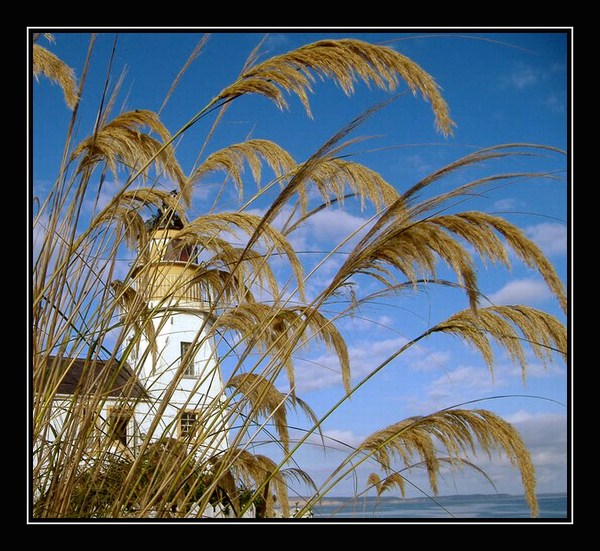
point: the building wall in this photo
(165, 379)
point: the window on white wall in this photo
(189, 367)
(118, 424)
(187, 423)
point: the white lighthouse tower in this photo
(178, 358)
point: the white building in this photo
(167, 382)
(178, 358)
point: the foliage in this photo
(80, 308)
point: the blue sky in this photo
(502, 87)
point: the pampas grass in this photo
(121, 143)
(458, 432)
(344, 61)
(47, 64)
(87, 305)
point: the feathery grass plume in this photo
(302, 173)
(153, 197)
(406, 201)
(412, 248)
(541, 331)
(477, 228)
(374, 480)
(207, 227)
(331, 174)
(250, 266)
(122, 141)
(233, 158)
(129, 224)
(263, 399)
(245, 268)
(229, 288)
(279, 331)
(47, 64)
(406, 235)
(529, 253)
(124, 207)
(298, 475)
(261, 474)
(345, 61)
(459, 431)
(394, 479)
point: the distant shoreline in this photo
(343, 500)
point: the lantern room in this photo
(167, 274)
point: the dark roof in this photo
(84, 376)
(164, 220)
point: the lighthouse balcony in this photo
(170, 284)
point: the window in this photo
(189, 368)
(118, 422)
(187, 423)
(177, 250)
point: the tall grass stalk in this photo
(91, 314)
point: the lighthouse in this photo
(176, 352)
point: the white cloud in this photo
(545, 434)
(451, 387)
(324, 371)
(203, 190)
(521, 291)
(472, 381)
(537, 370)
(341, 439)
(417, 164)
(363, 323)
(523, 76)
(435, 361)
(555, 104)
(277, 40)
(103, 195)
(334, 225)
(323, 229)
(505, 204)
(550, 236)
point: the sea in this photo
(457, 507)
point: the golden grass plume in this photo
(121, 141)
(334, 176)
(413, 249)
(346, 61)
(264, 400)
(280, 330)
(49, 65)
(256, 471)
(387, 483)
(459, 431)
(232, 160)
(508, 326)
(413, 246)
(206, 228)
